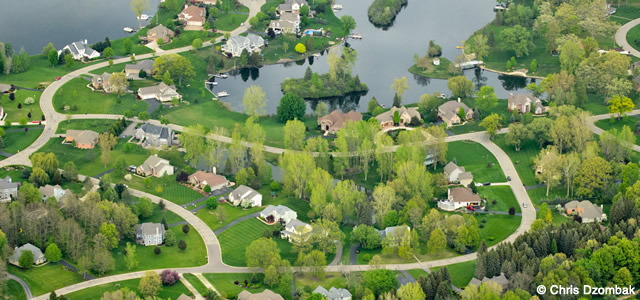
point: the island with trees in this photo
(383, 12)
(433, 65)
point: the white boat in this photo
(212, 83)
(223, 94)
(356, 36)
(129, 29)
(222, 75)
(337, 6)
(143, 17)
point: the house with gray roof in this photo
(287, 23)
(588, 211)
(156, 136)
(80, 50)
(8, 189)
(501, 280)
(101, 82)
(333, 293)
(235, 45)
(448, 112)
(162, 92)
(406, 114)
(132, 71)
(38, 256)
(280, 213)
(264, 295)
(160, 32)
(296, 230)
(55, 191)
(82, 139)
(245, 196)
(150, 234)
(155, 166)
(291, 6)
(523, 104)
(457, 174)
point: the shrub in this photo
(300, 48)
(157, 250)
(169, 277)
(29, 101)
(366, 257)
(481, 225)
(275, 186)
(484, 220)
(185, 228)
(182, 245)
(494, 202)
(512, 211)
(207, 189)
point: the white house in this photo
(155, 166)
(150, 234)
(280, 213)
(162, 92)
(333, 293)
(459, 197)
(80, 50)
(236, 44)
(8, 189)
(288, 23)
(523, 104)
(457, 174)
(38, 256)
(296, 230)
(49, 191)
(245, 194)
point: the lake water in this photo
(386, 54)
(34, 23)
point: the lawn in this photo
(309, 283)
(633, 37)
(392, 258)
(14, 114)
(15, 290)
(231, 213)
(474, 125)
(523, 159)
(40, 71)
(196, 283)
(19, 140)
(224, 283)
(497, 227)
(417, 273)
(76, 94)
(170, 257)
(475, 159)
(15, 172)
(503, 195)
(158, 214)
(186, 39)
(230, 21)
(440, 72)
(90, 124)
(629, 121)
(169, 188)
(96, 292)
(461, 273)
(55, 274)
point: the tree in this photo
(516, 135)
(137, 7)
(434, 50)
(178, 66)
(400, 86)
(384, 197)
(145, 207)
(593, 176)
(27, 193)
(106, 141)
(460, 86)
(70, 171)
(437, 241)
(130, 258)
(119, 83)
(169, 277)
(547, 163)
(169, 238)
(271, 276)
(143, 116)
(25, 260)
(53, 253)
(321, 109)
(491, 124)
(262, 253)
(166, 78)
(316, 261)
(477, 44)
(373, 104)
(348, 24)
(68, 61)
(128, 46)
(39, 177)
(111, 235)
(197, 43)
(619, 86)
(53, 57)
(516, 39)
(294, 133)
(150, 284)
(291, 107)
(254, 101)
(300, 48)
(571, 54)
(411, 291)
(540, 130)
(182, 245)
(486, 98)
(380, 281)
(185, 228)
(620, 105)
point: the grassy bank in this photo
(439, 72)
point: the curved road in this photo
(25, 287)
(621, 37)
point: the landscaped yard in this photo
(231, 213)
(629, 121)
(96, 292)
(158, 214)
(76, 94)
(196, 283)
(475, 159)
(14, 114)
(497, 227)
(304, 283)
(55, 274)
(15, 290)
(96, 125)
(224, 283)
(474, 125)
(461, 273)
(169, 188)
(40, 71)
(15, 141)
(502, 194)
(232, 20)
(522, 160)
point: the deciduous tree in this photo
(254, 101)
(106, 141)
(150, 284)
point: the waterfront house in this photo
(333, 122)
(588, 211)
(459, 197)
(80, 50)
(150, 234)
(333, 293)
(155, 166)
(38, 256)
(82, 139)
(193, 17)
(523, 104)
(245, 194)
(406, 114)
(448, 112)
(235, 45)
(161, 92)
(8, 189)
(156, 136)
(287, 23)
(160, 32)
(201, 179)
(133, 70)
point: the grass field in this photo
(629, 121)
(224, 283)
(158, 214)
(461, 273)
(96, 292)
(91, 124)
(196, 283)
(76, 93)
(40, 71)
(210, 217)
(633, 37)
(522, 160)
(55, 274)
(186, 39)
(497, 227)
(441, 71)
(15, 291)
(19, 140)
(170, 257)
(305, 283)
(14, 114)
(475, 158)
(231, 21)
(170, 189)
(503, 195)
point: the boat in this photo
(211, 82)
(222, 75)
(356, 36)
(222, 94)
(143, 17)
(129, 29)
(316, 55)
(337, 6)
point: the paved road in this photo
(25, 287)
(338, 256)
(621, 37)
(597, 130)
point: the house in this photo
(264, 295)
(155, 166)
(160, 32)
(184, 297)
(333, 293)
(287, 23)
(102, 82)
(279, 213)
(333, 122)
(4, 88)
(162, 92)
(156, 136)
(406, 115)
(459, 197)
(133, 70)
(436, 61)
(80, 50)
(457, 174)
(193, 16)
(49, 191)
(150, 234)
(501, 280)
(247, 195)
(205, 2)
(588, 211)
(523, 104)
(394, 233)
(291, 6)
(296, 230)
(38, 256)
(201, 179)
(8, 189)
(448, 112)
(237, 44)
(82, 139)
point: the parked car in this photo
(471, 208)
(132, 168)
(508, 178)
(58, 78)
(524, 205)
(486, 183)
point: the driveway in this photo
(25, 287)
(621, 37)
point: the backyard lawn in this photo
(75, 93)
(165, 187)
(461, 273)
(475, 159)
(522, 160)
(497, 227)
(502, 194)
(231, 213)
(158, 214)
(97, 125)
(55, 274)
(15, 141)
(304, 283)
(629, 121)
(232, 20)
(224, 283)
(96, 292)
(40, 71)
(196, 283)
(14, 114)
(15, 290)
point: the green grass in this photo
(231, 213)
(502, 194)
(629, 121)
(224, 283)
(171, 257)
(14, 114)
(417, 273)
(96, 292)
(76, 93)
(186, 39)
(497, 227)
(15, 172)
(461, 273)
(19, 140)
(595, 104)
(15, 290)
(540, 193)
(522, 160)
(90, 124)
(336, 280)
(441, 71)
(171, 190)
(55, 274)
(196, 283)
(474, 125)
(158, 214)
(230, 21)
(475, 158)
(40, 71)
